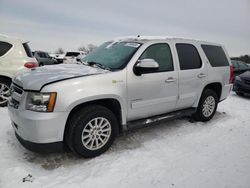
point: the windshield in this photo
(114, 55)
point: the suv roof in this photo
(143, 39)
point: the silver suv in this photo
(123, 84)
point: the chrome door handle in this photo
(201, 75)
(170, 79)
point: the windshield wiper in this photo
(91, 63)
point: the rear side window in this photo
(27, 49)
(4, 48)
(215, 55)
(161, 53)
(73, 54)
(189, 57)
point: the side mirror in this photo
(145, 66)
(78, 59)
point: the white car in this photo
(71, 57)
(15, 56)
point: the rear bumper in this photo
(241, 87)
(42, 148)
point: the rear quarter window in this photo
(27, 49)
(73, 54)
(216, 55)
(4, 48)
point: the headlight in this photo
(238, 78)
(41, 102)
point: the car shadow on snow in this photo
(127, 141)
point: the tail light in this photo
(30, 65)
(231, 74)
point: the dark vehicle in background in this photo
(43, 58)
(242, 84)
(239, 67)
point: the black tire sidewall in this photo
(80, 125)
(239, 93)
(206, 93)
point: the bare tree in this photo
(59, 51)
(89, 48)
(83, 48)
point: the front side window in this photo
(189, 57)
(40, 54)
(72, 54)
(114, 55)
(242, 65)
(161, 53)
(4, 48)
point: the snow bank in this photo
(174, 154)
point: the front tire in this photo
(207, 105)
(91, 131)
(4, 91)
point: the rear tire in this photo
(4, 91)
(207, 106)
(91, 131)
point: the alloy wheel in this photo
(208, 106)
(4, 93)
(96, 133)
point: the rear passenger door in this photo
(192, 74)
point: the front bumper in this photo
(240, 86)
(37, 130)
(42, 148)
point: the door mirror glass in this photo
(146, 66)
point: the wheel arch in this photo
(215, 86)
(6, 77)
(111, 103)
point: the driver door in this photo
(155, 92)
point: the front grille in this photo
(16, 89)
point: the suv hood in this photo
(35, 79)
(245, 75)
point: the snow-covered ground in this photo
(174, 154)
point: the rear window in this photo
(189, 57)
(4, 48)
(74, 54)
(215, 55)
(27, 49)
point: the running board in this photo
(160, 118)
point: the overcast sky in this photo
(50, 24)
